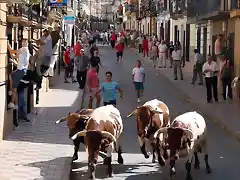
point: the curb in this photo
(68, 163)
(188, 99)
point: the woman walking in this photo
(226, 77)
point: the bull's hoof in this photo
(172, 173)
(120, 160)
(196, 166)
(208, 170)
(153, 160)
(189, 177)
(74, 158)
(146, 156)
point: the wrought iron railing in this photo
(17, 10)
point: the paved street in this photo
(41, 150)
(223, 150)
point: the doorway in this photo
(204, 43)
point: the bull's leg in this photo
(142, 147)
(153, 152)
(161, 160)
(76, 143)
(109, 159)
(208, 169)
(188, 168)
(197, 163)
(118, 149)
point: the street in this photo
(223, 150)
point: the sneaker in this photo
(9, 93)
(11, 105)
(66, 81)
(138, 100)
(74, 81)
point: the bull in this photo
(150, 117)
(186, 137)
(76, 123)
(102, 133)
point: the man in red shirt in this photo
(77, 48)
(93, 87)
(69, 65)
(119, 47)
(113, 39)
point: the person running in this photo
(119, 48)
(138, 77)
(95, 61)
(109, 89)
(93, 87)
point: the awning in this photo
(216, 15)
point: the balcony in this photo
(178, 8)
(17, 14)
(207, 10)
(161, 6)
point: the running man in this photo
(110, 89)
(138, 77)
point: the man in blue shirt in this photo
(110, 89)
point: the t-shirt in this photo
(109, 90)
(77, 49)
(23, 59)
(93, 79)
(67, 59)
(138, 74)
(162, 48)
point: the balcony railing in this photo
(203, 7)
(178, 6)
(17, 10)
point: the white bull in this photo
(102, 132)
(186, 136)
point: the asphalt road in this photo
(223, 151)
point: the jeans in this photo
(226, 84)
(211, 85)
(81, 78)
(21, 105)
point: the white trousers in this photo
(162, 59)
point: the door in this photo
(199, 39)
(175, 34)
(187, 41)
(214, 38)
(204, 43)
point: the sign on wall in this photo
(58, 3)
(69, 20)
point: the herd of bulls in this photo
(100, 130)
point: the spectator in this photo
(15, 77)
(197, 68)
(226, 77)
(154, 52)
(139, 40)
(22, 114)
(162, 54)
(145, 46)
(69, 66)
(210, 70)
(177, 57)
(171, 49)
(82, 63)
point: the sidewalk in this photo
(225, 113)
(41, 150)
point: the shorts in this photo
(139, 86)
(93, 93)
(17, 76)
(111, 102)
(119, 54)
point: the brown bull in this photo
(102, 133)
(150, 117)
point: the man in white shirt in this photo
(140, 39)
(210, 70)
(138, 77)
(177, 57)
(162, 54)
(22, 63)
(102, 35)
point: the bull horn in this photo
(132, 113)
(61, 120)
(157, 111)
(86, 117)
(81, 133)
(108, 135)
(159, 131)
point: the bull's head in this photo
(178, 140)
(72, 120)
(95, 141)
(144, 115)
